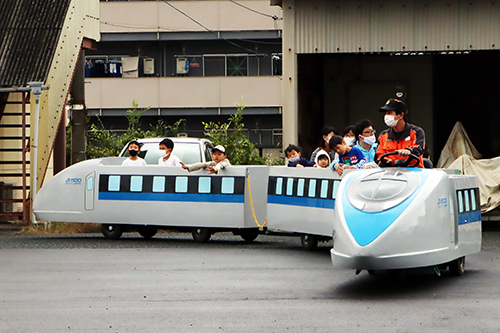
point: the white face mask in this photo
(369, 140)
(163, 153)
(294, 159)
(389, 121)
(349, 141)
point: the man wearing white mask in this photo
(401, 137)
(366, 140)
(166, 157)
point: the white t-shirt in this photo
(138, 162)
(172, 161)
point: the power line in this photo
(207, 29)
(274, 17)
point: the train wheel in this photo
(112, 231)
(148, 231)
(201, 235)
(457, 266)
(249, 235)
(309, 242)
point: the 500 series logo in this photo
(73, 181)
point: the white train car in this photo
(302, 201)
(146, 198)
(401, 218)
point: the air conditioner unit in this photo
(149, 65)
(182, 66)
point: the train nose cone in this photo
(376, 200)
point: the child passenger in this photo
(219, 162)
(349, 157)
(294, 160)
(134, 148)
(166, 157)
(322, 159)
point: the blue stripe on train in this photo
(184, 197)
(301, 201)
(464, 218)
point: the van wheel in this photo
(249, 235)
(457, 266)
(112, 231)
(201, 235)
(309, 242)
(148, 231)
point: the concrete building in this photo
(343, 59)
(192, 60)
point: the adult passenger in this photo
(401, 137)
(326, 134)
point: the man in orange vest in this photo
(402, 138)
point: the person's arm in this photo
(418, 148)
(313, 155)
(361, 159)
(196, 166)
(306, 163)
(221, 165)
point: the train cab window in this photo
(114, 183)
(466, 200)
(335, 188)
(90, 183)
(324, 189)
(300, 187)
(279, 186)
(289, 186)
(204, 184)
(136, 184)
(227, 186)
(181, 184)
(473, 199)
(158, 184)
(312, 188)
(460, 202)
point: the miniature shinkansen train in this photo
(383, 218)
(398, 218)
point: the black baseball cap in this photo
(394, 105)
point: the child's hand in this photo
(299, 166)
(211, 170)
(315, 166)
(349, 167)
(184, 166)
(338, 168)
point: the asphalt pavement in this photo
(85, 283)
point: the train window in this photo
(324, 189)
(473, 199)
(227, 186)
(279, 186)
(90, 183)
(181, 184)
(135, 183)
(466, 200)
(312, 188)
(204, 184)
(289, 186)
(158, 184)
(300, 187)
(460, 202)
(114, 183)
(335, 188)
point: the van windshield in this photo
(189, 153)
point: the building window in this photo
(237, 66)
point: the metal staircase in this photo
(14, 157)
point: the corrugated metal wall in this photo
(335, 26)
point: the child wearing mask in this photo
(294, 159)
(367, 142)
(349, 137)
(166, 157)
(349, 157)
(219, 162)
(134, 148)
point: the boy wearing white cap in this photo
(219, 162)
